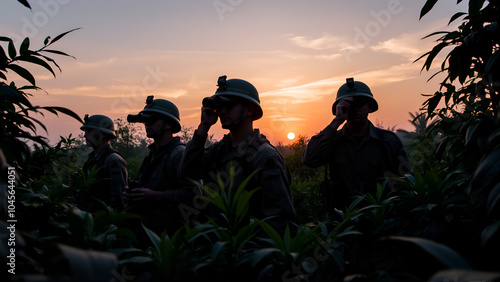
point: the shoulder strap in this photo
(174, 145)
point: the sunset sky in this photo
(297, 53)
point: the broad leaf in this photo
(25, 45)
(12, 50)
(61, 36)
(489, 232)
(442, 253)
(38, 61)
(22, 72)
(465, 275)
(65, 111)
(155, 239)
(429, 4)
(493, 199)
(88, 265)
(456, 16)
(486, 173)
(25, 3)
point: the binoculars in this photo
(141, 117)
(358, 102)
(217, 102)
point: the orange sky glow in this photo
(296, 53)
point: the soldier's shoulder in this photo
(114, 156)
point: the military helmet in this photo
(99, 122)
(165, 108)
(355, 89)
(239, 88)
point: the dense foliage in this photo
(441, 223)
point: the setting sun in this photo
(291, 135)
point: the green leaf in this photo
(456, 16)
(475, 6)
(65, 111)
(493, 199)
(51, 60)
(37, 61)
(442, 253)
(429, 4)
(25, 3)
(38, 122)
(465, 275)
(217, 249)
(489, 232)
(58, 53)
(136, 259)
(273, 235)
(46, 41)
(25, 45)
(433, 102)
(17, 97)
(22, 72)
(470, 133)
(432, 54)
(155, 239)
(261, 254)
(61, 36)
(12, 50)
(486, 173)
(88, 265)
(3, 58)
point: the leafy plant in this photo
(16, 121)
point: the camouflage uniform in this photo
(111, 176)
(356, 165)
(255, 153)
(159, 172)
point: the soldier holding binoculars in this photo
(158, 194)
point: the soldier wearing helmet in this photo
(236, 104)
(108, 165)
(359, 155)
(158, 194)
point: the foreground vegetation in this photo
(441, 223)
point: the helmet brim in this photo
(373, 103)
(177, 124)
(103, 130)
(257, 115)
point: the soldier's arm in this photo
(117, 171)
(195, 158)
(184, 189)
(317, 150)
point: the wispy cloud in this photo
(330, 46)
(284, 118)
(301, 93)
(324, 42)
(407, 45)
(314, 91)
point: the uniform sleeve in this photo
(118, 175)
(195, 160)
(318, 148)
(277, 199)
(184, 189)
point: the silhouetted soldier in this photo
(159, 193)
(359, 155)
(109, 166)
(236, 103)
